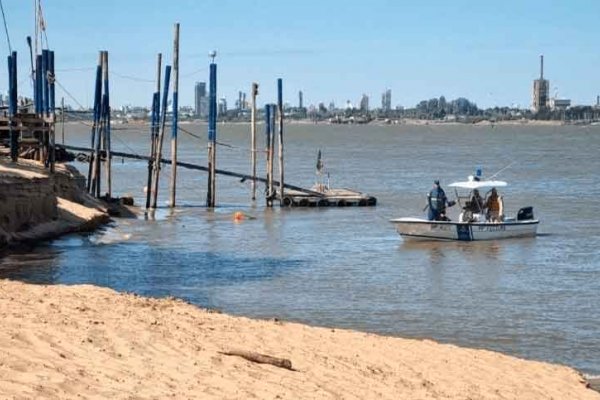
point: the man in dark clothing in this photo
(436, 202)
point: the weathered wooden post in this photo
(253, 138)
(212, 132)
(159, 142)
(175, 115)
(62, 117)
(280, 135)
(153, 130)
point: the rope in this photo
(133, 78)
(68, 93)
(5, 26)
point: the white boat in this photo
(470, 225)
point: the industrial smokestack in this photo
(541, 66)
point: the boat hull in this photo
(419, 229)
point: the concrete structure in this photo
(541, 89)
(201, 100)
(560, 104)
(300, 100)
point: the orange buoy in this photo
(238, 216)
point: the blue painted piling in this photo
(51, 82)
(45, 88)
(12, 105)
(38, 85)
(212, 136)
(97, 97)
(280, 136)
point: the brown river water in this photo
(536, 298)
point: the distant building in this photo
(201, 100)
(300, 100)
(364, 103)
(386, 101)
(222, 107)
(541, 89)
(560, 104)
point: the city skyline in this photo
(488, 54)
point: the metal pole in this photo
(175, 115)
(253, 138)
(280, 144)
(97, 99)
(159, 142)
(11, 109)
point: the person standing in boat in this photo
(493, 204)
(436, 203)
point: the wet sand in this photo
(63, 342)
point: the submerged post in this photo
(253, 138)
(212, 133)
(280, 144)
(175, 115)
(159, 142)
(153, 130)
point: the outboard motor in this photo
(525, 214)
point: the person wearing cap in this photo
(436, 203)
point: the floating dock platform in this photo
(329, 198)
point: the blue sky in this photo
(332, 50)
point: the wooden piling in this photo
(253, 138)
(62, 117)
(52, 107)
(159, 143)
(212, 136)
(153, 130)
(175, 115)
(280, 136)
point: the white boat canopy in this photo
(475, 184)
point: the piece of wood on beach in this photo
(260, 358)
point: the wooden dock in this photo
(328, 198)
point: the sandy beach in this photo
(67, 342)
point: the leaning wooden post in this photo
(175, 115)
(212, 134)
(159, 142)
(280, 135)
(153, 130)
(107, 146)
(267, 152)
(253, 138)
(62, 117)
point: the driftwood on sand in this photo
(260, 358)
